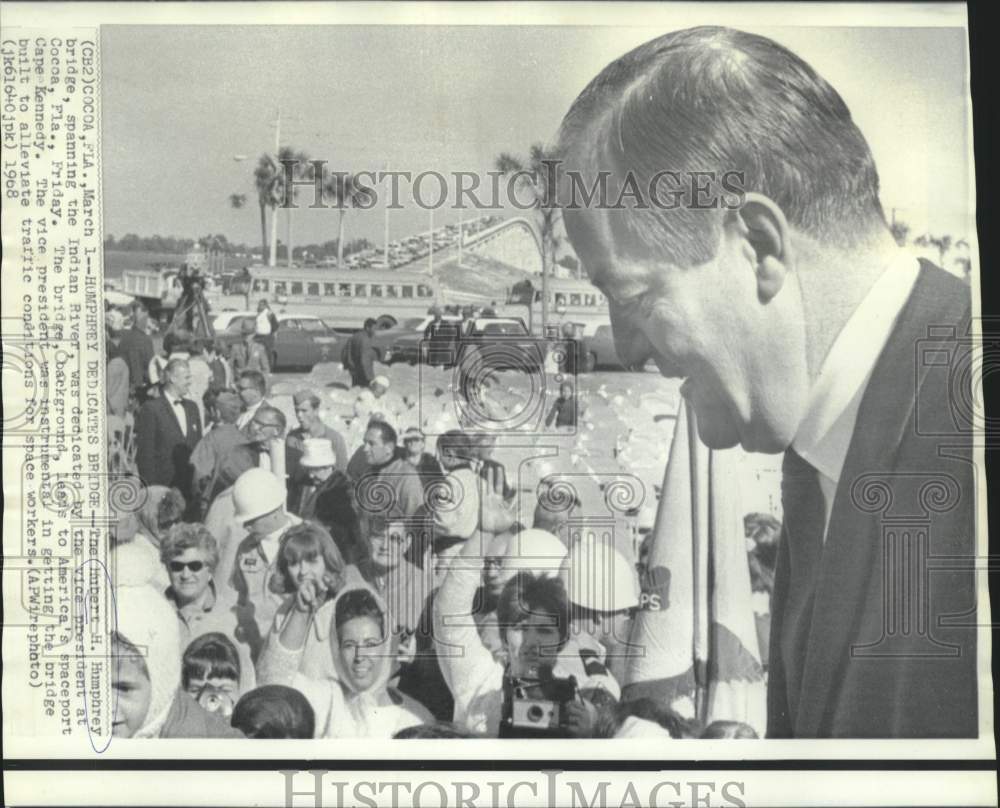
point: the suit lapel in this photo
(853, 544)
(193, 422)
(171, 416)
(191, 412)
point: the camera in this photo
(536, 707)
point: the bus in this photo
(344, 299)
(570, 301)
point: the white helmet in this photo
(599, 577)
(534, 550)
(257, 492)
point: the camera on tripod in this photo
(191, 313)
(535, 707)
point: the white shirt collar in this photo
(271, 543)
(247, 415)
(824, 435)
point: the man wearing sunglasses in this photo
(252, 389)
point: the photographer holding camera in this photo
(535, 692)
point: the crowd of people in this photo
(344, 579)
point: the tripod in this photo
(191, 313)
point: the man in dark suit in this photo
(136, 348)
(167, 430)
(320, 492)
(758, 265)
(359, 355)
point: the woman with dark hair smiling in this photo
(356, 702)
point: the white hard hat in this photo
(317, 453)
(599, 577)
(257, 492)
(534, 550)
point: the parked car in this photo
(387, 335)
(501, 343)
(222, 320)
(598, 351)
(407, 348)
(302, 340)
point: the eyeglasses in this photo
(180, 566)
(393, 538)
(351, 645)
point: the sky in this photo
(180, 103)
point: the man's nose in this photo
(632, 345)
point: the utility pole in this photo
(545, 280)
(385, 242)
(430, 255)
(273, 258)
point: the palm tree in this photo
(533, 177)
(943, 244)
(342, 191)
(267, 181)
(301, 169)
(238, 202)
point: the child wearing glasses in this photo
(190, 554)
(148, 698)
(211, 673)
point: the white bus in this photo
(570, 301)
(343, 299)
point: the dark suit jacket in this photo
(163, 453)
(332, 506)
(136, 348)
(360, 353)
(880, 641)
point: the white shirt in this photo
(263, 327)
(178, 407)
(824, 436)
(247, 415)
(271, 543)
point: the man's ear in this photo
(766, 232)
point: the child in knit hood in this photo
(357, 702)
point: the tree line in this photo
(173, 245)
